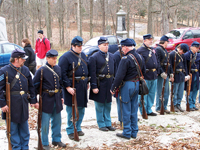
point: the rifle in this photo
(8, 116)
(163, 90)
(189, 82)
(119, 46)
(172, 86)
(39, 123)
(144, 113)
(74, 106)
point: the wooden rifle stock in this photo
(163, 90)
(189, 82)
(120, 48)
(74, 106)
(144, 113)
(8, 116)
(40, 114)
(172, 87)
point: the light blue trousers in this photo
(149, 98)
(178, 93)
(70, 127)
(160, 81)
(103, 114)
(55, 126)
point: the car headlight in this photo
(170, 44)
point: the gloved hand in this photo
(164, 75)
(171, 75)
(187, 77)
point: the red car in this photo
(181, 35)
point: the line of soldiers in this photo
(110, 74)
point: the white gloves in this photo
(187, 77)
(164, 75)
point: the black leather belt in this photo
(153, 70)
(18, 92)
(102, 76)
(134, 79)
(180, 70)
(194, 70)
(164, 64)
(80, 78)
(53, 91)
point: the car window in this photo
(112, 40)
(92, 42)
(196, 33)
(175, 34)
(188, 35)
(8, 48)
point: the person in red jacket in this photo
(42, 46)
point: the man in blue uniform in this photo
(117, 57)
(81, 80)
(52, 99)
(128, 91)
(195, 73)
(150, 76)
(20, 81)
(101, 69)
(180, 74)
(162, 57)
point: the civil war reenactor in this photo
(127, 80)
(21, 84)
(195, 73)
(101, 70)
(180, 74)
(162, 58)
(150, 76)
(52, 99)
(117, 57)
(74, 55)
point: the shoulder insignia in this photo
(124, 57)
(1, 77)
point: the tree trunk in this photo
(20, 21)
(13, 20)
(175, 19)
(150, 21)
(1, 4)
(67, 23)
(103, 16)
(128, 19)
(91, 19)
(39, 14)
(79, 17)
(48, 20)
(164, 14)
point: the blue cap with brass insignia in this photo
(128, 42)
(77, 40)
(147, 36)
(52, 53)
(195, 44)
(102, 40)
(164, 38)
(184, 47)
(18, 53)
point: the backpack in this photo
(43, 41)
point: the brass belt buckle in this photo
(180, 70)
(56, 91)
(154, 70)
(196, 70)
(21, 92)
(107, 76)
(82, 78)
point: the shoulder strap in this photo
(15, 79)
(137, 65)
(104, 65)
(70, 73)
(78, 57)
(194, 58)
(52, 71)
(44, 41)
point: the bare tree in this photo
(103, 16)
(48, 20)
(79, 17)
(20, 20)
(91, 19)
(150, 18)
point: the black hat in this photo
(147, 36)
(184, 47)
(18, 53)
(195, 44)
(52, 53)
(102, 40)
(164, 38)
(40, 31)
(128, 42)
(77, 41)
